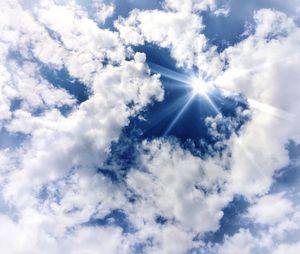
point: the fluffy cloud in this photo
(29, 238)
(171, 198)
(270, 209)
(269, 79)
(52, 177)
(288, 249)
(185, 191)
(181, 32)
(190, 5)
(275, 235)
(243, 241)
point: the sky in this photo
(149, 127)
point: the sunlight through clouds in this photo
(149, 127)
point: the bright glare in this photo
(200, 86)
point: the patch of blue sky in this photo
(15, 104)
(46, 193)
(115, 218)
(190, 130)
(7, 209)
(161, 220)
(224, 31)
(123, 153)
(287, 182)
(288, 179)
(58, 78)
(191, 124)
(62, 79)
(232, 221)
(16, 56)
(10, 140)
(123, 8)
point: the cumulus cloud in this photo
(53, 176)
(179, 187)
(270, 80)
(179, 31)
(50, 184)
(271, 209)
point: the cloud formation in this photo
(59, 194)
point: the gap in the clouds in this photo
(10, 140)
(123, 153)
(15, 104)
(294, 150)
(62, 79)
(58, 78)
(7, 208)
(224, 31)
(288, 179)
(124, 7)
(47, 193)
(161, 220)
(190, 131)
(160, 115)
(16, 56)
(115, 218)
(231, 222)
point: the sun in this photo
(200, 87)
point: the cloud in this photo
(187, 191)
(288, 249)
(270, 81)
(243, 241)
(181, 32)
(52, 177)
(170, 198)
(28, 238)
(270, 209)
(190, 5)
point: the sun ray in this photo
(212, 104)
(250, 157)
(179, 115)
(203, 88)
(169, 109)
(271, 110)
(263, 107)
(200, 87)
(237, 73)
(170, 74)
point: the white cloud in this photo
(269, 79)
(181, 32)
(27, 237)
(189, 5)
(102, 11)
(179, 187)
(271, 209)
(241, 242)
(51, 181)
(83, 137)
(60, 157)
(288, 249)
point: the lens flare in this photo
(200, 87)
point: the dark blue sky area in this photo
(160, 116)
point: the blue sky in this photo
(149, 127)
